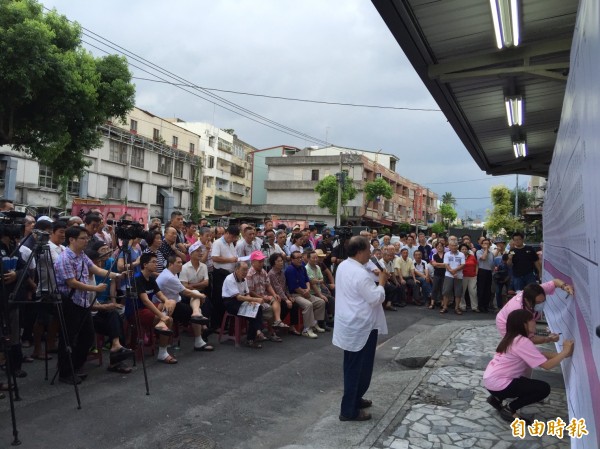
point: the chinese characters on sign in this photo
(555, 427)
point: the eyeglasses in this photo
(83, 238)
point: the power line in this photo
(304, 100)
(258, 118)
(464, 180)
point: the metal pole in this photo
(339, 197)
(517, 198)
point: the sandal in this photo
(444, 310)
(431, 306)
(275, 338)
(458, 311)
(280, 324)
(292, 330)
(206, 348)
(170, 360)
(120, 368)
(261, 337)
(253, 344)
(163, 331)
(199, 319)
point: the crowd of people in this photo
(190, 275)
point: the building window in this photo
(118, 152)
(208, 181)
(178, 170)
(192, 148)
(211, 162)
(47, 179)
(133, 126)
(160, 200)
(114, 187)
(137, 157)
(2, 173)
(73, 186)
(134, 192)
(224, 146)
(314, 176)
(175, 141)
(208, 202)
(155, 134)
(211, 141)
(164, 165)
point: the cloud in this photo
(332, 51)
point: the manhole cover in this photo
(189, 441)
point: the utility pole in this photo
(340, 180)
(517, 198)
(426, 215)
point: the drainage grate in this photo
(189, 441)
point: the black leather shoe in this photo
(362, 416)
(365, 403)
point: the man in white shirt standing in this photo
(224, 258)
(358, 320)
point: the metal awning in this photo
(451, 45)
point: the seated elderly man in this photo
(260, 286)
(317, 282)
(393, 289)
(170, 285)
(405, 270)
(313, 308)
(278, 282)
(235, 293)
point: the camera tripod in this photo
(49, 296)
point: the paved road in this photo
(236, 398)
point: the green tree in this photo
(438, 228)
(53, 93)
(378, 187)
(448, 198)
(448, 213)
(526, 199)
(501, 216)
(327, 188)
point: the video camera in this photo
(12, 224)
(343, 232)
(127, 229)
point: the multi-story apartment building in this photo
(293, 174)
(147, 161)
(227, 171)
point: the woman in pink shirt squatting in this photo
(516, 354)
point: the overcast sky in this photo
(338, 51)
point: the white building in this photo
(147, 161)
(227, 171)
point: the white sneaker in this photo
(309, 333)
(318, 329)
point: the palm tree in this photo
(448, 198)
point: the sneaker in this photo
(507, 415)
(318, 329)
(309, 333)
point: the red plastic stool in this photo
(235, 330)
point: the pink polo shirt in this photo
(517, 361)
(516, 303)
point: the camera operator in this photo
(13, 267)
(269, 247)
(47, 284)
(73, 268)
(340, 252)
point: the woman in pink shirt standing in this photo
(532, 298)
(516, 354)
